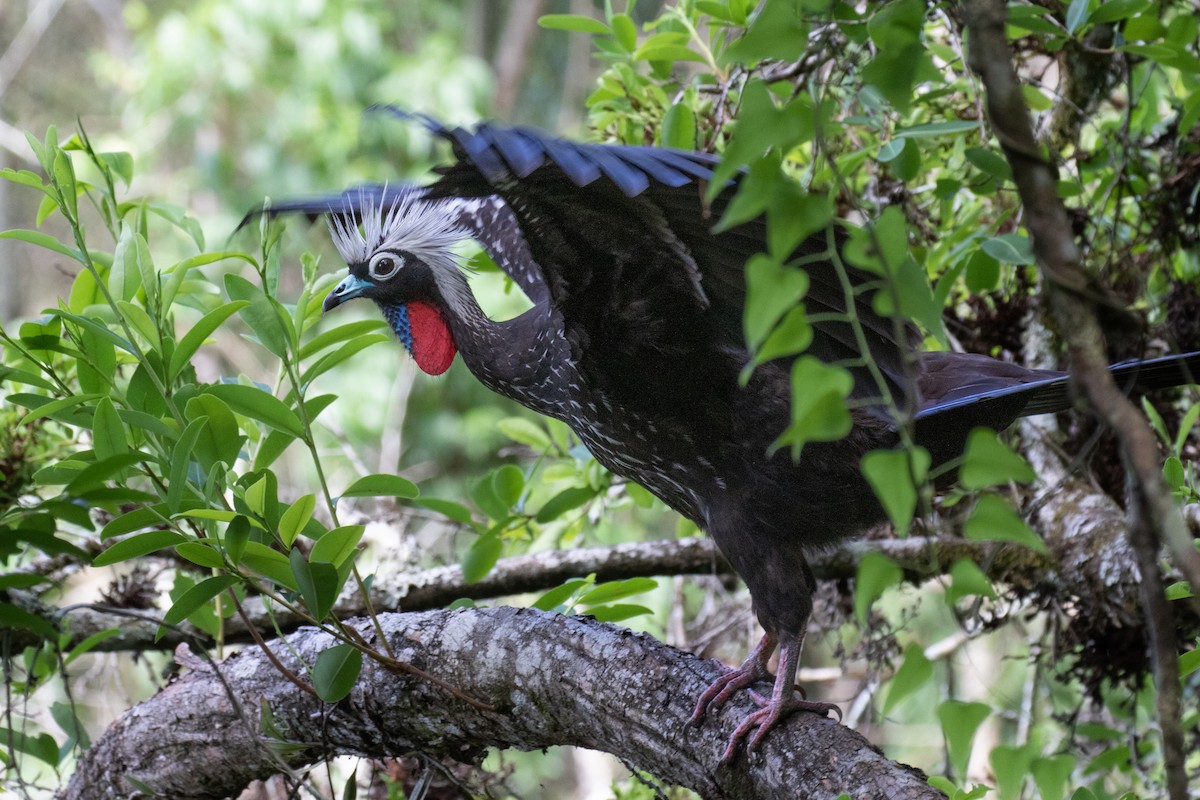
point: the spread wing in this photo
(623, 239)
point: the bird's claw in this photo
(767, 717)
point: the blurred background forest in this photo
(225, 102)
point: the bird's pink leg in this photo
(783, 700)
(753, 669)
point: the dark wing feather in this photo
(644, 207)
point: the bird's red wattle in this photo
(433, 345)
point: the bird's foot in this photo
(753, 669)
(771, 710)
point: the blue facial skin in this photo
(397, 317)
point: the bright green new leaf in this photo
(960, 722)
(987, 461)
(524, 431)
(573, 22)
(995, 520)
(337, 545)
(771, 290)
(876, 574)
(915, 671)
(508, 482)
(1051, 774)
(968, 580)
(895, 476)
(295, 518)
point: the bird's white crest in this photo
(429, 229)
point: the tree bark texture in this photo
(552, 680)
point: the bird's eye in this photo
(384, 266)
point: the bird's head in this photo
(401, 255)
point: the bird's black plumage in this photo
(635, 339)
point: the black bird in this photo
(635, 339)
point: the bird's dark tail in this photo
(943, 425)
(1050, 394)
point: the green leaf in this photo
(528, 433)
(45, 241)
(269, 563)
(1010, 765)
(678, 128)
(778, 32)
(481, 557)
(199, 333)
(915, 671)
(771, 290)
(939, 128)
(12, 617)
(1077, 14)
(336, 672)
(990, 163)
(558, 595)
(138, 545)
(1189, 662)
(108, 432)
(193, 598)
(819, 412)
(342, 333)
(201, 552)
(53, 407)
(380, 485)
(995, 520)
(508, 482)
(337, 545)
(876, 574)
(447, 508)
(618, 590)
(617, 612)
(270, 323)
(1051, 774)
(960, 722)
(181, 459)
(573, 22)
(1011, 248)
(250, 401)
(624, 31)
(318, 582)
(987, 461)
(967, 580)
(894, 475)
(564, 501)
(295, 518)
(982, 272)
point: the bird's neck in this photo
(522, 358)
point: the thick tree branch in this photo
(554, 680)
(1153, 516)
